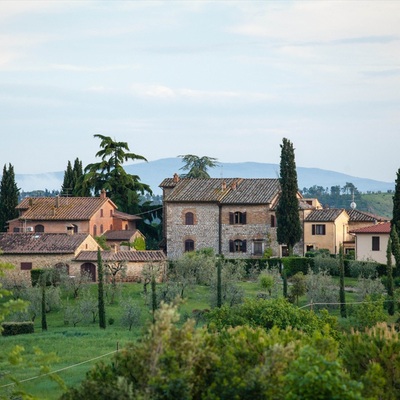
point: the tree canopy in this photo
(197, 166)
(287, 212)
(8, 197)
(109, 174)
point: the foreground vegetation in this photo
(256, 345)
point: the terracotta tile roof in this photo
(377, 228)
(61, 208)
(324, 215)
(119, 235)
(222, 190)
(363, 216)
(128, 256)
(128, 217)
(40, 243)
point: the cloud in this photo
(164, 92)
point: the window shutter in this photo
(231, 247)
(313, 229)
(323, 229)
(244, 218)
(244, 246)
(231, 218)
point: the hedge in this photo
(293, 265)
(17, 328)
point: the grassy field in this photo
(78, 348)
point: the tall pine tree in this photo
(287, 212)
(8, 197)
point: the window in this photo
(15, 230)
(189, 245)
(237, 246)
(189, 218)
(273, 222)
(237, 218)
(39, 228)
(94, 230)
(318, 229)
(258, 248)
(101, 213)
(26, 266)
(310, 247)
(375, 243)
(101, 229)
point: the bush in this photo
(326, 264)
(17, 328)
(293, 265)
(365, 269)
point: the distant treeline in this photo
(339, 197)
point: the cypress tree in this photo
(100, 287)
(68, 182)
(394, 238)
(389, 273)
(287, 212)
(153, 296)
(342, 295)
(8, 197)
(396, 204)
(219, 283)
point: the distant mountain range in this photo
(153, 173)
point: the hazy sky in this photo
(226, 79)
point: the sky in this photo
(224, 79)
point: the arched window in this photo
(189, 218)
(237, 218)
(94, 230)
(101, 229)
(39, 228)
(189, 245)
(126, 227)
(237, 246)
(273, 221)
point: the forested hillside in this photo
(379, 203)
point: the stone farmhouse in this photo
(233, 216)
(237, 218)
(28, 251)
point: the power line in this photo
(59, 370)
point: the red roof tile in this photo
(128, 256)
(377, 228)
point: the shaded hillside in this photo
(379, 203)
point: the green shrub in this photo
(293, 265)
(327, 265)
(17, 328)
(365, 269)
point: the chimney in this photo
(57, 201)
(233, 185)
(223, 186)
(103, 194)
(30, 202)
(176, 178)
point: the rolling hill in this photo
(153, 172)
